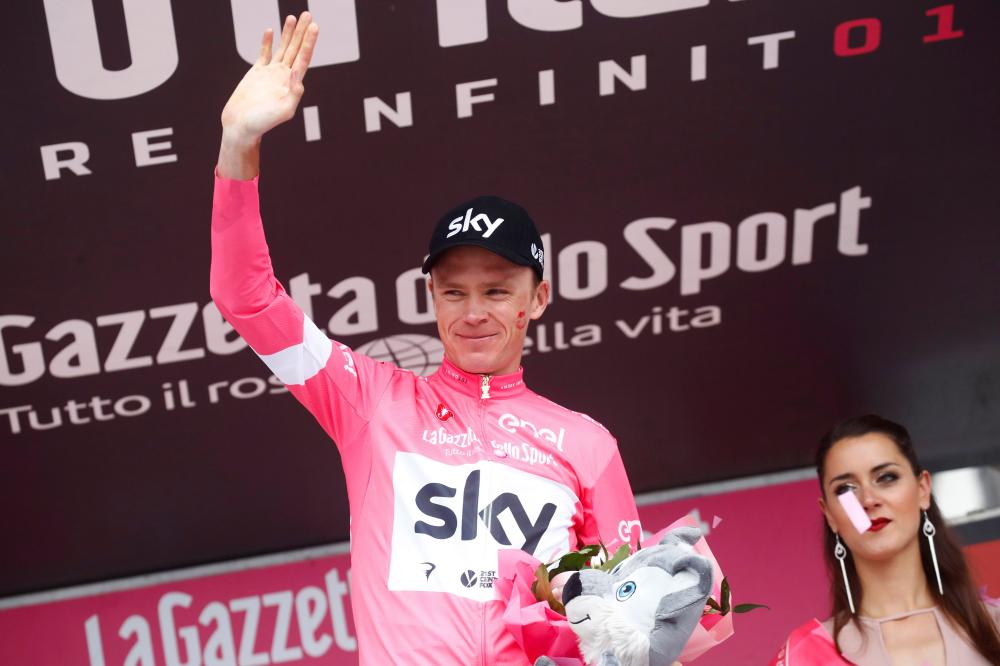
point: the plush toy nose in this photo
(572, 589)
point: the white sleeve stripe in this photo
(296, 364)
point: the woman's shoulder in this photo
(810, 642)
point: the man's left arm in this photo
(609, 512)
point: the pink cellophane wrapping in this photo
(713, 629)
(539, 630)
(809, 645)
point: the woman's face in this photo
(874, 469)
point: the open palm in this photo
(270, 91)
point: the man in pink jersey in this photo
(444, 471)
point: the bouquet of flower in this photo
(535, 616)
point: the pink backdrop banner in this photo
(297, 612)
(766, 539)
(768, 542)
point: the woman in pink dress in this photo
(902, 591)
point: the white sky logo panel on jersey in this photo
(458, 516)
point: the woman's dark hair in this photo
(960, 603)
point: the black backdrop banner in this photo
(759, 217)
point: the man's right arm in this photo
(267, 96)
(338, 387)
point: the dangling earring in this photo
(841, 554)
(929, 531)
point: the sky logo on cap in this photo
(462, 225)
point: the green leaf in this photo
(726, 596)
(541, 588)
(746, 608)
(713, 604)
(620, 555)
(574, 561)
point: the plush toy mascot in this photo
(643, 611)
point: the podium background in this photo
(772, 350)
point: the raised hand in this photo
(267, 96)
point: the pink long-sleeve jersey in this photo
(442, 472)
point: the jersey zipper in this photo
(485, 492)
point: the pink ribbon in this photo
(809, 645)
(538, 629)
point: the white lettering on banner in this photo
(762, 242)
(702, 317)
(693, 271)
(75, 161)
(220, 337)
(771, 43)
(310, 118)
(211, 640)
(461, 22)
(183, 316)
(551, 336)
(95, 648)
(595, 256)
(400, 116)
(359, 315)
(144, 148)
(775, 230)
(464, 99)
(74, 40)
(189, 635)
(80, 356)
(546, 87)
(547, 15)
(29, 354)
(338, 18)
(220, 648)
(280, 651)
(118, 357)
(635, 8)
(413, 304)
(142, 650)
(608, 71)
(76, 50)
(707, 247)
(637, 235)
(699, 63)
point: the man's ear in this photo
(540, 299)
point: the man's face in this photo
(483, 304)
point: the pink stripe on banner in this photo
(296, 613)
